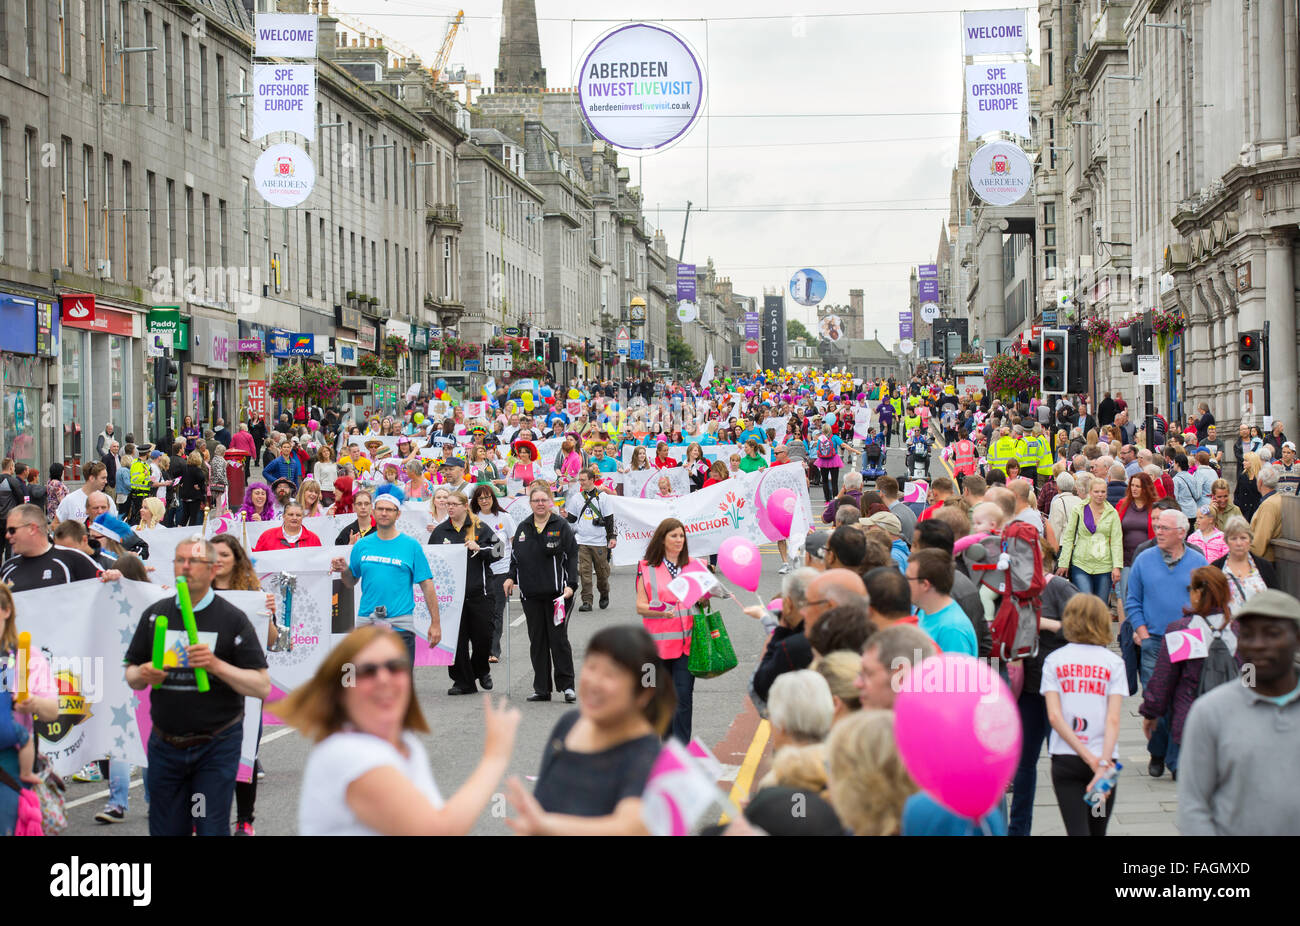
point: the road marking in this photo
(753, 755)
(518, 620)
(100, 795)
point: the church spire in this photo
(519, 62)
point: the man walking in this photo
(595, 536)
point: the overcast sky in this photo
(860, 199)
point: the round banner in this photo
(284, 175)
(929, 312)
(807, 287)
(831, 328)
(906, 345)
(1000, 174)
(640, 87)
(687, 311)
(751, 346)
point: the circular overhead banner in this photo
(831, 328)
(807, 287)
(906, 345)
(284, 175)
(1000, 173)
(687, 312)
(640, 87)
(929, 312)
(751, 346)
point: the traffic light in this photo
(1033, 349)
(1076, 362)
(553, 353)
(539, 350)
(1054, 360)
(1134, 337)
(1249, 358)
(166, 376)
(588, 350)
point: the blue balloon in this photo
(441, 383)
(546, 392)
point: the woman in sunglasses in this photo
(368, 774)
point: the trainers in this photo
(110, 815)
(570, 695)
(89, 772)
(261, 772)
(244, 829)
(785, 568)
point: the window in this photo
(103, 46)
(187, 106)
(123, 39)
(203, 89)
(407, 253)
(248, 234)
(352, 162)
(4, 151)
(87, 184)
(243, 103)
(151, 218)
(83, 24)
(207, 232)
(284, 272)
(384, 141)
(105, 203)
(221, 101)
(148, 62)
(30, 37)
(223, 237)
(370, 157)
(1049, 237)
(65, 36)
(190, 257)
(310, 268)
(388, 281)
(128, 220)
(397, 272)
(167, 72)
(340, 264)
(29, 196)
(171, 222)
(1049, 213)
(324, 264)
(446, 267)
(352, 260)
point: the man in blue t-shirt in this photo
(388, 563)
(929, 576)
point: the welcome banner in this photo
(711, 515)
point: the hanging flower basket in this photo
(1097, 329)
(395, 346)
(970, 356)
(288, 383)
(322, 382)
(1167, 326)
(370, 365)
(1009, 376)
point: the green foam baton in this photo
(159, 642)
(187, 615)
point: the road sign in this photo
(624, 340)
(496, 362)
(1148, 370)
(471, 366)
(637, 350)
(751, 346)
(1049, 318)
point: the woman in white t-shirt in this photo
(1084, 685)
(368, 774)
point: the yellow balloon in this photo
(528, 401)
(573, 393)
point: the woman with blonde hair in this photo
(1084, 684)
(800, 767)
(867, 781)
(151, 513)
(640, 460)
(309, 496)
(1247, 574)
(1246, 495)
(368, 773)
(841, 669)
(325, 470)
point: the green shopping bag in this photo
(711, 651)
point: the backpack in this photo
(1019, 560)
(1219, 666)
(825, 448)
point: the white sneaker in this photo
(570, 695)
(784, 569)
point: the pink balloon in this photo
(741, 562)
(958, 732)
(780, 510)
(765, 521)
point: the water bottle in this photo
(379, 616)
(1099, 792)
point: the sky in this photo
(780, 171)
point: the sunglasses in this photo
(398, 665)
(14, 530)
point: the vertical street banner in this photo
(905, 324)
(927, 283)
(752, 329)
(773, 351)
(685, 282)
(284, 99)
(997, 99)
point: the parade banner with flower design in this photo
(711, 515)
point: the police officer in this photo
(545, 567)
(141, 483)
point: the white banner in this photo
(678, 452)
(997, 99)
(994, 32)
(285, 35)
(645, 483)
(711, 515)
(284, 99)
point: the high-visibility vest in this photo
(672, 632)
(911, 421)
(897, 405)
(1044, 454)
(964, 459)
(140, 477)
(1003, 449)
(1032, 453)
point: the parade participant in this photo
(309, 497)
(1084, 687)
(1092, 545)
(35, 562)
(595, 537)
(438, 506)
(258, 503)
(697, 466)
(718, 472)
(827, 447)
(417, 487)
(288, 535)
(544, 565)
(1221, 792)
(325, 471)
(734, 465)
(525, 453)
(367, 773)
(640, 460)
(194, 746)
(73, 505)
(487, 508)
(667, 556)
(18, 755)
(887, 486)
(283, 490)
(662, 459)
(963, 457)
(850, 494)
(364, 522)
(475, 634)
(598, 758)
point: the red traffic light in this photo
(1247, 341)
(1051, 344)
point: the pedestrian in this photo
(1245, 495)
(1247, 574)
(598, 758)
(367, 773)
(488, 509)
(1092, 545)
(594, 530)
(1084, 687)
(1207, 537)
(474, 639)
(1266, 524)
(1222, 792)
(930, 577)
(828, 461)
(544, 565)
(388, 564)
(868, 783)
(194, 746)
(669, 623)
(17, 748)
(193, 491)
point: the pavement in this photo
(724, 718)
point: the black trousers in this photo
(549, 644)
(830, 482)
(475, 634)
(193, 516)
(498, 610)
(1070, 777)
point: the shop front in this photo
(98, 357)
(211, 372)
(254, 371)
(28, 342)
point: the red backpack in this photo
(1016, 573)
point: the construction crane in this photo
(440, 61)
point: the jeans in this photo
(1090, 584)
(684, 684)
(1158, 746)
(190, 790)
(119, 784)
(408, 637)
(1033, 730)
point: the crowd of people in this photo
(1151, 571)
